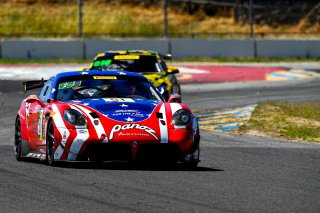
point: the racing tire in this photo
(175, 84)
(50, 145)
(191, 164)
(17, 139)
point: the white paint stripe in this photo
(58, 153)
(77, 144)
(99, 128)
(57, 118)
(192, 70)
(80, 138)
(175, 107)
(163, 127)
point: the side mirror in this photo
(172, 70)
(166, 56)
(32, 99)
(175, 98)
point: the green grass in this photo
(297, 122)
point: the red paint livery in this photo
(93, 125)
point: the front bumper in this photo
(83, 148)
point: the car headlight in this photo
(74, 117)
(181, 117)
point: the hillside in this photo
(137, 18)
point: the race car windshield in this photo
(105, 87)
(132, 63)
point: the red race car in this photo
(104, 116)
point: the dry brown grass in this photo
(21, 17)
(296, 122)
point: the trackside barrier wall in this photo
(218, 48)
(180, 48)
(41, 48)
(94, 46)
(271, 48)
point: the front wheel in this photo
(17, 140)
(50, 144)
(191, 161)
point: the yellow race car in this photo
(149, 63)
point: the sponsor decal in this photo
(105, 77)
(66, 85)
(82, 131)
(36, 155)
(78, 141)
(126, 57)
(118, 100)
(133, 134)
(128, 119)
(27, 108)
(21, 116)
(102, 63)
(119, 128)
(132, 114)
(40, 127)
(126, 111)
(64, 135)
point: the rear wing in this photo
(29, 85)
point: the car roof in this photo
(129, 52)
(99, 73)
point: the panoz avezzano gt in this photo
(149, 63)
(104, 116)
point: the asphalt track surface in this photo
(237, 173)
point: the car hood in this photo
(156, 78)
(121, 109)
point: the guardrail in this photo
(179, 48)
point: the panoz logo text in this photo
(117, 128)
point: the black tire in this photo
(191, 165)
(50, 145)
(17, 139)
(175, 84)
(194, 163)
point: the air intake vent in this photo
(94, 115)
